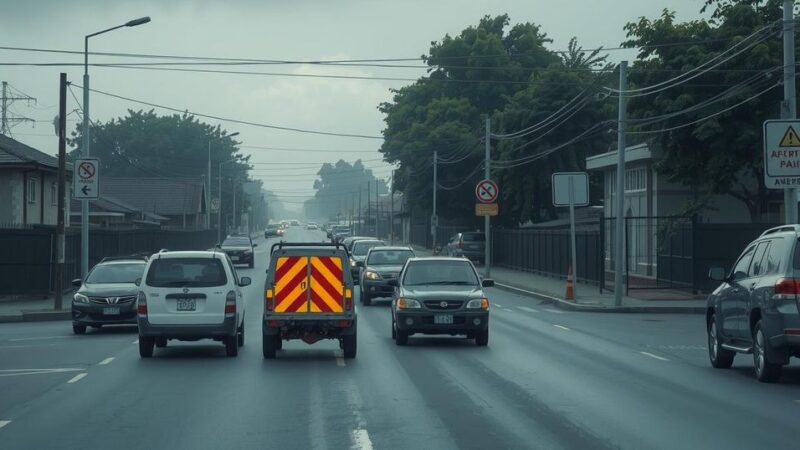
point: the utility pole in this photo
(368, 200)
(233, 185)
(7, 118)
(619, 236)
(62, 179)
(377, 211)
(487, 221)
(434, 217)
(360, 218)
(391, 211)
(789, 107)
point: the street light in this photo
(219, 213)
(208, 183)
(85, 203)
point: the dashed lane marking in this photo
(339, 360)
(4, 423)
(361, 440)
(105, 361)
(530, 310)
(562, 327)
(136, 342)
(18, 372)
(654, 356)
(39, 338)
(554, 311)
(498, 305)
(77, 378)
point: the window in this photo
(439, 272)
(32, 190)
(115, 273)
(636, 179)
(741, 267)
(773, 262)
(758, 265)
(186, 272)
(53, 194)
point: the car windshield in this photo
(389, 257)
(115, 273)
(360, 248)
(186, 272)
(439, 272)
(236, 242)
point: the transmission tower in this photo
(7, 117)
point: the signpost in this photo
(215, 204)
(782, 154)
(571, 189)
(86, 179)
(486, 192)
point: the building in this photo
(28, 185)
(110, 212)
(178, 203)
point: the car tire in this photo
(251, 264)
(79, 329)
(400, 337)
(766, 371)
(232, 345)
(720, 358)
(161, 342)
(482, 338)
(146, 346)
(240, 335)
(394, 330)
(365, 299)
(279, 343)
(269, 345)
(349, 346)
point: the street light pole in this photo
(219, 214)
(208, 183)
(85, 145)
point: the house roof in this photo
(634, 153)
(109, 204)
(163, 196)
(15, 153)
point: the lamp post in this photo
(219, 214)
(208, 183)
(85, 149)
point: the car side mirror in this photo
(487, 282)
(255, 245)
(77, 282)
(245, 281)
(717, 273)
(394, 283)
(138, 281)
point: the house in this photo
(180, 202)
(28, 185)
(110, 212)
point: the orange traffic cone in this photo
(570, 295)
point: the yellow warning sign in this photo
(790, 139)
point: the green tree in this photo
(337, 188)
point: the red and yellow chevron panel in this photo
(327, 284)
(291, 284)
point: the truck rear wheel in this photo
(269, 345)
(349, 346)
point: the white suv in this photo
(190, 296)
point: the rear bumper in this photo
(422, 322)
(296, 328)
(378, 288)
(192, 331)
(83, 314)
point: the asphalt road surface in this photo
(548, 379)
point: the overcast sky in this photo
(274, 29)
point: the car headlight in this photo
(372, 275)
(80, 298)
(478, 303)
(353, 263)
(407, 303)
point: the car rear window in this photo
(423, 272)
(238, 242)
(389, 257)
(360, 248)
(473, 237)
(116, 273)
(186, 272)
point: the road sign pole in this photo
(61, 190)
(85, 203)
(487, 221)
(789, 110)
(572, 234)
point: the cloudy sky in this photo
(273, 29)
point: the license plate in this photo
(443, 319)
(188, 304)
(111, 311)
(234, 258)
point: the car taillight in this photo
(230, 304)
(141, 304)
(348, 299)
(787, 288)
(269, 300)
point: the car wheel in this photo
(720, 358)
(349, 346)
(278, 342)
(400, 337)
(482, 338)
(161, 342)
(232, 345)
(240, 335)
(269, 345)
(251, 264)
(365, 299)
(146, 346)
(79, 329)
(394, 330)
(766, 371)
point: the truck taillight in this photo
(348, 299)
(269, 300)
(787, 287)
(141, 304)
(230, 304)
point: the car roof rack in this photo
(280, 245)
(136, 256)
(781, 229)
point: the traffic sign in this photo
(580, 187)
(86, 179)
(486, 209)
(215, 204)
(782, 154)
(486, 191)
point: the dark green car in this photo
(440, 295)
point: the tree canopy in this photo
(337, 189)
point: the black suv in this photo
(240, 249)
(755, 309)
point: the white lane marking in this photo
(535, 294)
(18, 372)
(4, 423)
(554, 311)
(136, 341)
(339, 361)
(530, 310)
(40, 338)
(361, 440)
(654, 356)
(105, 361)
(3, 347)
(498, 305)
(77, 378)
(561, 327)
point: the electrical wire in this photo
(465, 180)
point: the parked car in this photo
(440, 295)
(358, 252)
(271, 230)
(755, 308)
(471, 245)
(190, 296)
(108, 294)
(240, 249)
(381, 265)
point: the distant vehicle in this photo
(381, 265)
(108, 294)
(358, 252)
(439, 295)
(271, 230)
(190, 296)
(470, 245)
(312, 226)
(350, 240)
(755, 309)
(294, 223)
(240, 249)
(339, 232)
(309, 296)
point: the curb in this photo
(639, 309)
(36, 316)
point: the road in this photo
(548, 379)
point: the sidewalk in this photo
(33, 309)
(589, 298)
